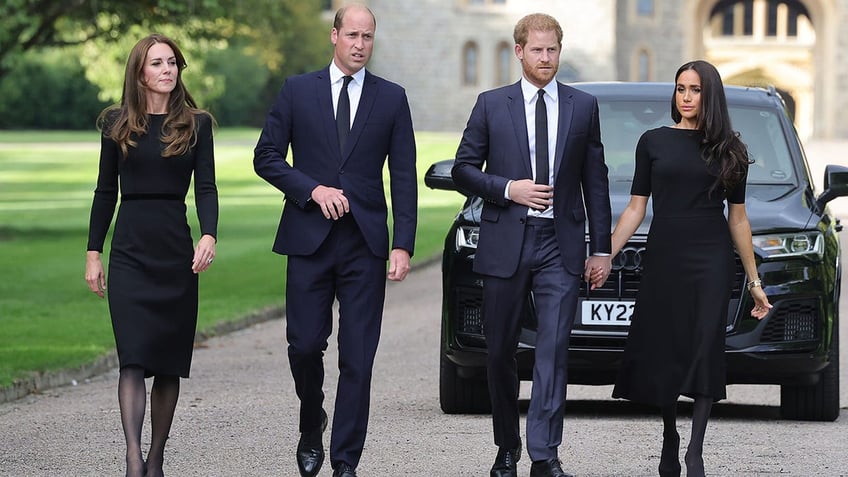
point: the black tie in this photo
(343, 113)
(541, 139)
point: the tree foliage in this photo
(234, 46)
(27, 25)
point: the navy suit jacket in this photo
(302, 117)
(496, 137)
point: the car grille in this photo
(792, 321)
(469, 306)
(623, 283)
(626, 275)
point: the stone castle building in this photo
(445, 52)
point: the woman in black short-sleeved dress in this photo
(152, 144)
(676, 341)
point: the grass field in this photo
(48, 318)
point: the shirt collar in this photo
(336, 74)
(529, 90)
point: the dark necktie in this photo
(343, 113)
(542, 170)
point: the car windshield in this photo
(623, 122)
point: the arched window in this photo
(470, 64)
(760, 18)
(504, 60)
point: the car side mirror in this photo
(835, 184)
(438, 176)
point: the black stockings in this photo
(132, 399)
(669, 460)
(700, 415)
(163, 403)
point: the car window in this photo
(623, 122)
(761, 131)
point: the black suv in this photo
(795, 240)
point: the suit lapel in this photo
(324, 93)
(366, 102)
(515, 104)
(566, 110)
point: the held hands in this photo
(398, 264)
(204, 254)
(332, 201)
(94, 275)
(761, 303)
(597, 270)
(526, 192)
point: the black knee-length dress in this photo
(151, 288)
(677, 338)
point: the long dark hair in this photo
(122, 123)
(722, 146)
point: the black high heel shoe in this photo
(694, 464)
(669, 460)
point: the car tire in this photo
(819, 402)
(458, 395)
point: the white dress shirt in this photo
(354, 88)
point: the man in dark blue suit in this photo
(544, 175)
(342, 124)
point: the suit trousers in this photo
(542, 271)
(342, 268)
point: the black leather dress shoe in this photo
(344, 470)
(310, 449)
(547, 468)
(506, 462)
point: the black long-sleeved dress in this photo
(151, 288)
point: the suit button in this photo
(521, 220)
(341, 171)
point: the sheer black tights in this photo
(132, 399)
(694, 452)
(669, 461)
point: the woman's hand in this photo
(94, 274)
(204, 254)
(761, 303)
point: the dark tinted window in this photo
(623, 122)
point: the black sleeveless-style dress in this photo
(677, 338)
(151, 288)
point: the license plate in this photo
(607, 313)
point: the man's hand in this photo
(332, 201)
(526, 192)
(398, 264)
(597, 270)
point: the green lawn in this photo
(48, 318)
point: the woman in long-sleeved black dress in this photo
(676, 342)
(152, 144)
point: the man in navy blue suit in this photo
(342, 123)
(532, 151)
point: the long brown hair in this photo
(125, 122)
(721, 145)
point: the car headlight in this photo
(467, 236)
(790, 245)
